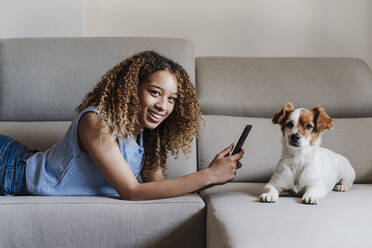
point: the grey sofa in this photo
(43, 79)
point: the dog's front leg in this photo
(313, 194)
(276, 185)
(271, 193)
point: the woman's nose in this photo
(161, 104)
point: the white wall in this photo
(41, 18)
(333, 28)
(244, 27)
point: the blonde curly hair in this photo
(116, 98)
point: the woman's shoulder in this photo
(92, 134)
(88, 117)
(90, 125)
(89, 120)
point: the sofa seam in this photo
(225, 243)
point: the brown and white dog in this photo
(305, 168)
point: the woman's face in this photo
(157, 97)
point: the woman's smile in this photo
(154, 117)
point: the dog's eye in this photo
(309, 126)
(289, 124)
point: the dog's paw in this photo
(309, 199)
(340, 188)
(267, 197)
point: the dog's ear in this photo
(322, 120)
(280, 117)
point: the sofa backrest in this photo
(238, 91)
(42, 80)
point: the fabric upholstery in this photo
(236, 218)
(36, 135)
(256, 87)
(261, 148)
(34, 221)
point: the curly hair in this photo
(116, 98)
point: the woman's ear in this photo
(322, 120)
(280, 117)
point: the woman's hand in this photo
(223, 169)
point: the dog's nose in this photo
(295, 137)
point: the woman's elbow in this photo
(131, 195)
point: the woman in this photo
(143, 108)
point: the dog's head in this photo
(302, 127)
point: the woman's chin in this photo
(151, 125)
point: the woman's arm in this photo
(105, 152)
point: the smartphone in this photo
(241, 140)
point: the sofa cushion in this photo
(33, 221)
(45, 79)
(236, 218)
(350, 137)
(36, 135)
(262, 146)
(256, 87)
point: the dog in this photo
(305, 168)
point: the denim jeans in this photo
(13, 157)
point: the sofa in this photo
(42, 80)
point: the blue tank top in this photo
(65, 169)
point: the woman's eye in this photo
(173, 99)
(309, 126)
(155, 93)
(289, 124)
